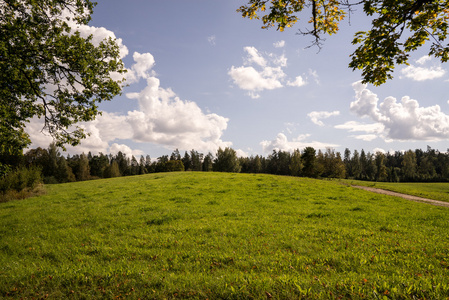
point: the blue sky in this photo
(202, 77)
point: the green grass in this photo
(221, 236)
(432, 190)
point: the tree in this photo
(98, 164)
(398, 27)
(149, 167)
(134, 167)
(333, 165)
(173, 166)
(279, 163)
(381, 174)
(50, 71)
(309, 161)
(296, 164)
(196, 160)
(112, 170)
(122, 162)
(409, 165)
(175, 155)
(83, 171)
(356, 168)
(64, 172)
(51, 165)
(371, 168)
(319, 164)
(142, 169)
(256, 164)
(226, 161)
(36, 157)
(208, 162)
(186, 160)
(363, 166)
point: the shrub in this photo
(50, 180)
(21, 179)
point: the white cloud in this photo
(165, 119)
(262, 72)
(314, 75)
(255, 57)
(423, 73)
(279, 44)
(280, 60)
(248, 78)
(116, 148)
(103, 130)
(365, 137)
(375, 150)
(353, 126)
(423, 60)
(366, 101)
(37, 137)
(141, 69)
(299, 81)
(212, 40)
(162, 118)
(282, 143)
(98, 35)
(315, 116)
(241, 153)
(404, 120)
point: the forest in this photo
(409, 166)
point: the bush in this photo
(50, 180)
(21, 179)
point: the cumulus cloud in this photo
(102, 132)
(279, 44)
(165, 119)
(98, 34)
(281, 142)
(422, 60)
(116, 148)
(314, 75)
(315, 116)
(423, 73)
(365, 137)
(353, 126)
(404, 120)
(212, 40)
(279, 60)
(141, 68)
(255, 57)
(248, 78)
(373, 130)
(299, 81)
(375, 150)
(162, 118)
(262, 71)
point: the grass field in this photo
(221, 236)
(432, 190)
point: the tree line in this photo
(417, 165)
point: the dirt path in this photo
(405, 196)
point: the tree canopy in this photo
(49, 70)
(398, 27)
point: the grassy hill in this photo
(221, 235)
(432, 190)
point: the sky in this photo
(202, 77)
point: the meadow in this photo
(431, 190)
(221, 236)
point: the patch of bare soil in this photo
(405, 196)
